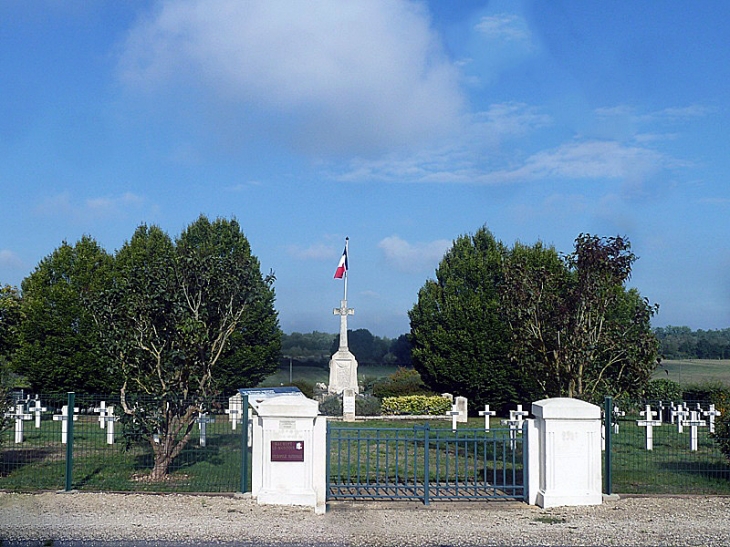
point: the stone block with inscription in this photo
(289, 458)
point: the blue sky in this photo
(402, 125)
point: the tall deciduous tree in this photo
(576, 327)
(9, 322)
(460, 342)
(59, 346)
(178, 318)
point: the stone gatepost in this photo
(568, 435)
(289, 453)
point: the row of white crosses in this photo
(515, 421)
(684, 417)
(18, 413)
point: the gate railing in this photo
(421, 463)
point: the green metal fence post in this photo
(70, 440)
(426, 473)
(244, 444)
(608, 429)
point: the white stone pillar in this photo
(289, 453)
(569, 432)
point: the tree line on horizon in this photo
(316, 348)
(684, 343)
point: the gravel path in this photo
(655, 521)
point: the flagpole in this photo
(347, 254)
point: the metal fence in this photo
(664, 449)
(41, 449)
(420, 463)
(34, 457)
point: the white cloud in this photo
(318, 251)
(413, 257)
(325, 76)
(504, 27)
(8, 259)
(591, 160)
(105, 208)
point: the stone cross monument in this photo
(343, 365)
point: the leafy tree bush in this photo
(460, 342)
(176, 318)
(60, 346)
(705, 393)
(721, 399)
(365, 405)
(416, 405)
(331, 405)
(576, 328)
(663, 390)
(10, 305)
(404, 381)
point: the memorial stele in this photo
(343, 365)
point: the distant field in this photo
(319, 374)
(694, 371)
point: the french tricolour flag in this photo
(342, 266)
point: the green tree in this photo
(460, 343)
(577, 330)
(59, 345)
(9, 321)
(400, 349)
(177, 318)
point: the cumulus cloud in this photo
(330, 76)
(413, 257)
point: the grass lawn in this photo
(671, 467)
(694, 371)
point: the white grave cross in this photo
(203, 421)
(101, 409)
(233, 413)
(110, 418)
(649, 424)
(694, 422)
(712, 414)
(681, 414)
(616, 415)
(20, 416)
(515, 424)
(36, 409)
(454, 413)
(63, 418)
(486, 413)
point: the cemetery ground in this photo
(175, 520)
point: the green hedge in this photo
(414, 405)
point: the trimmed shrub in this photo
(433, 405)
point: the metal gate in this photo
(420, 463)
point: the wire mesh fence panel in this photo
(666, 453)
(110, 455)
